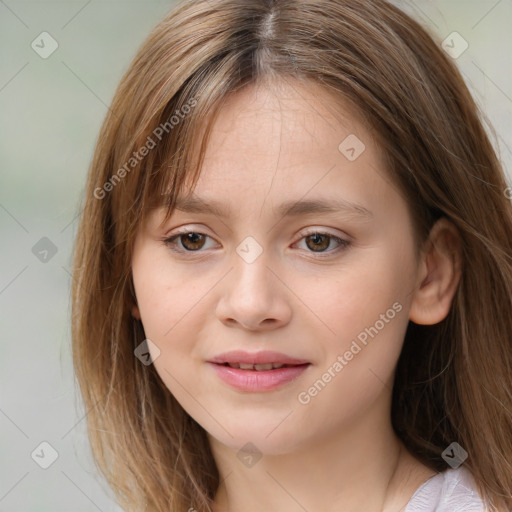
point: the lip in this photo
(262, 357)
(253, 380)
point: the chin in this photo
(262, 437)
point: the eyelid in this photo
(186, 228)
(310, 230)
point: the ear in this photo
(439, 275)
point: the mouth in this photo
(257, 372)
(259, 361)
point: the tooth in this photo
(245, 366)
(275, 365)
(234, 365)
(260, 367)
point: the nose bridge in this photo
(251, 272)
(252, 296)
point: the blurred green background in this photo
(51, 110)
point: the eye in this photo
(193, 241)
(319, 241)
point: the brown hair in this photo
(453, 380)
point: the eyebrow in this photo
(195, 204)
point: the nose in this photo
(254, 297)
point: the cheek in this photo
(370, 319)
(166, 305)
(367, 308)
(355, 298)
(172, 309)
(164, 295)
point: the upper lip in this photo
(263, 357)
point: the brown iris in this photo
(196, 241)
(317, 238)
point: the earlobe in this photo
(136, 312)
(439, 275)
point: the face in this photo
(323, 286)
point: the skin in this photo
(338, 451)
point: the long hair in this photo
(453, 380)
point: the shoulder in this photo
(453, 490)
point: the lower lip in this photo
(255, 381)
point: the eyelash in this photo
(343, 244)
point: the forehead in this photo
(284, 137)
(289, 112)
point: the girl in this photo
(293, 270)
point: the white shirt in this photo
(453, 490)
